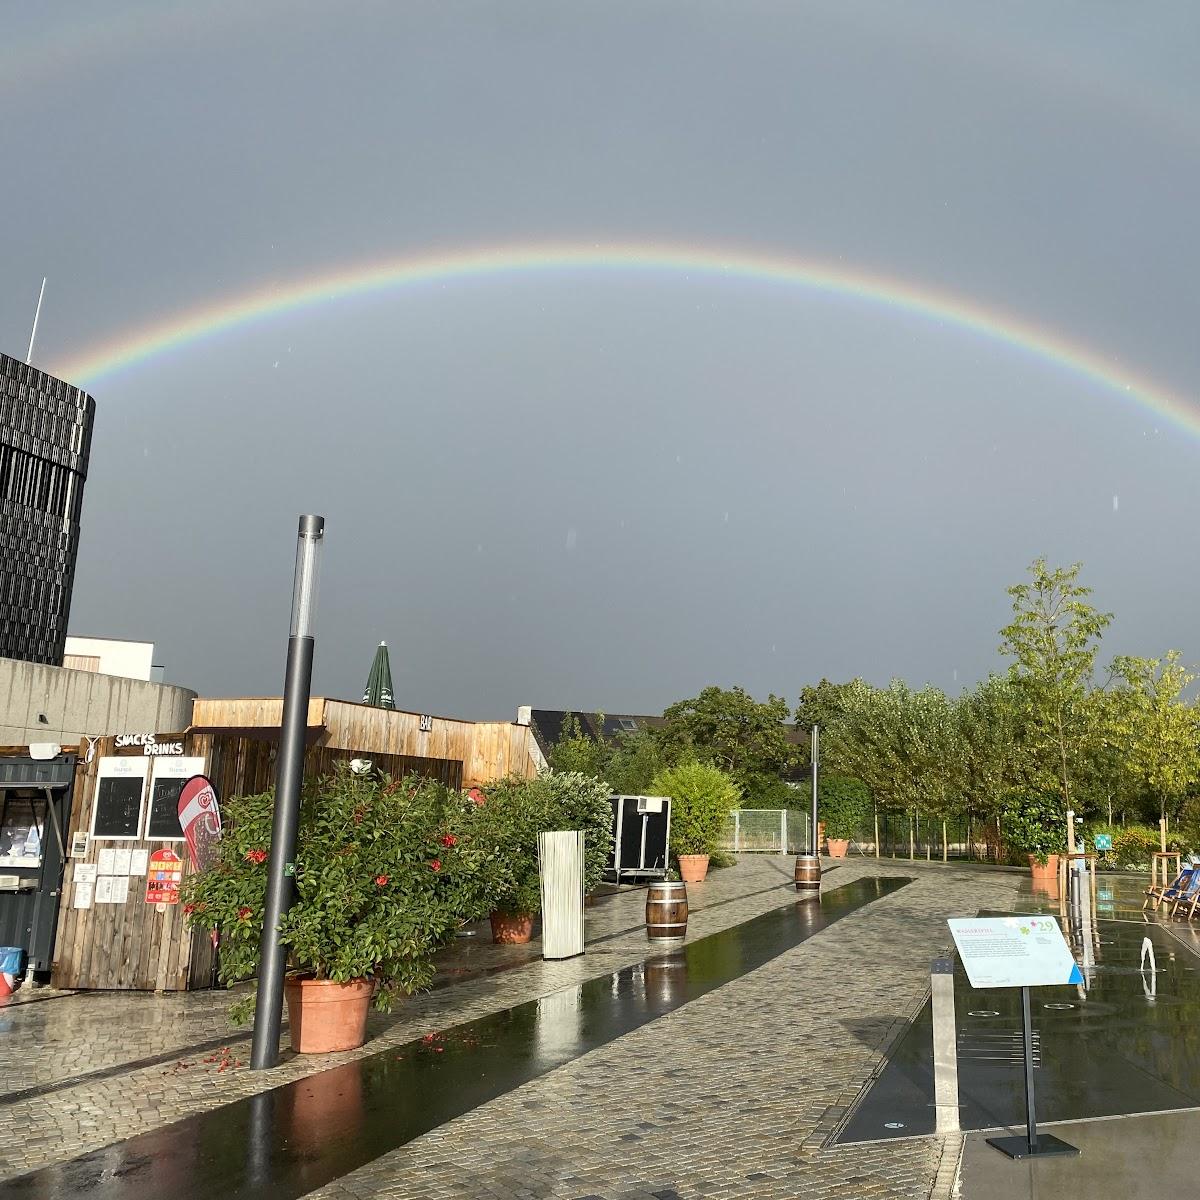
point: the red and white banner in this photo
(200, 819)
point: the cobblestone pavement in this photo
(732, 1095)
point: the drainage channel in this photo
(1125, 1043)
(297, 1137)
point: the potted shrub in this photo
(1035, 825)
(383, 879)
(503, 825)
(702, 797)
(844, 803)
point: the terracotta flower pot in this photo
(325, 1016)
(1044, 874)
(838, 847)
(693, 867)
(512, 928)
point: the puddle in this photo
(1127, 1043)
(298, 1137)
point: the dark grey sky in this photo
(609, 490)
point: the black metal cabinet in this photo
(35, 814)
(641, 837)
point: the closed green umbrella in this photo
(379, 682)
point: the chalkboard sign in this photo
(163, 825)
(118, 807)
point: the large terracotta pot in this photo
(325, 1016)
(838, 847)
(512, 928)
(693, 867)
(1044, 874)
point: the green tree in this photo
(745, 737)
(577, 750)
(1158, 733)
(1053, 639)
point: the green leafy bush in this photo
(506, 818)
(1132, 845)
(1034, 823)
(843, 804)
(383, 878)
(702, 797)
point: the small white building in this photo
(113, 656)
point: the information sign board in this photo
(1103, 841)
(1027, 951)
(162, 882)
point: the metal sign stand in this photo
(1033, 1144)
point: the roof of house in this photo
(548, 724)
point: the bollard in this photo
(945, 1045)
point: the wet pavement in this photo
(1125, 1042)
(292, 1139)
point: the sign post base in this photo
(1019, 1147)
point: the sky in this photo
(605, 487)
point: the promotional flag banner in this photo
(200, 819)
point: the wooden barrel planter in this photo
(808, 874)
(666, 912)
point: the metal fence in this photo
(764, 831)
(888, 834)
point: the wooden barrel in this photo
(808, 874)
(666, 911)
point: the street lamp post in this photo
(289, 778)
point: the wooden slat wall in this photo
(126, 946)
(487, 749)
(132, 946)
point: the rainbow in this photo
(133, 348)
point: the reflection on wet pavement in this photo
(299, 1136)
(1127, 1041)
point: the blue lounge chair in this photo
(1157, 896)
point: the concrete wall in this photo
(133, 660)
(79, 704)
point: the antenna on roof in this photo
(36, 314)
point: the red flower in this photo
(381, 880)
(449, 840)
(436, 864)
(244, 913)
(188, 909)
(476, 796)
(256, 856)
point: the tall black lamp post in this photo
(289, 777)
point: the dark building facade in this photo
(45, 439)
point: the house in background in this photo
(547, 724)
(113, 656)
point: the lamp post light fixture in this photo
(289, 778)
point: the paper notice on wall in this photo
(121, 861)
(106, 864)
(139, 861)
(120, 889)
(83, 893)
(104, 889)
(85, 872)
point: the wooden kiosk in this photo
(118, 927)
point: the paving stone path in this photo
(735, 1094)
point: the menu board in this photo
(163, 825)
(118, 808)
(169, 778)
(117, 812)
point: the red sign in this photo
(162, 883)
(200, 819)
